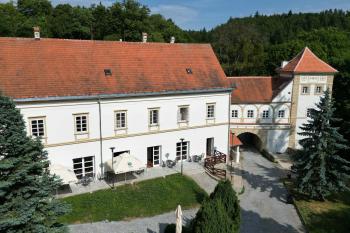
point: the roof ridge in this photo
(102, 41)
(322, 61)
(301, 58)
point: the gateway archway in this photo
(251, 140)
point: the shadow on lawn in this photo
(252, 222)
(332, 221)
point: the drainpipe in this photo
(229, 127)
(100, 126)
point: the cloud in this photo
(182, 15)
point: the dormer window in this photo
(189, 71)
(108, 72)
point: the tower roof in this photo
(307, 62)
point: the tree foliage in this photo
(220, 213)
(321, 171)
(124, 20)
(26, 187)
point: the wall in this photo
(301, 102)
(63, 145)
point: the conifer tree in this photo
(321, 171)
(227, 195)
(27, 203)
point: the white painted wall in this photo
(63, 146)
(277, 140)
(308, 100)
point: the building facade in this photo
(84, 97)
(269, 111)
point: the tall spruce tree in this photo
(27, 203)
(321, 171)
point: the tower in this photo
(311, 77)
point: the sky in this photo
(198, 14)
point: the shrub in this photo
(227, 195)
(213, 218)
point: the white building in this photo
(84, 97)
(268, 111)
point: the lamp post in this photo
(182, 165)
(112, 149)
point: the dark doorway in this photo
(210, 146)
(251, 140)
(153, 156)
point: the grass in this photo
(147, 198)
(330, 216)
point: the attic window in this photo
(189, 71)
(108, 72)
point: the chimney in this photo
(144, 37)
(284, 63)
(36, 33)
(172, 40)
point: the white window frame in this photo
(308, 110)
(179, 118)
(250, 113)
(281, 114)
(81, 115)
(266, 114)
(211, 110)
(305, 87)
(84, 166)
(316, 90)
(118, 123)
(151, 112)
(156, 151)
(185, 148)
(42, 118)
(234, 113)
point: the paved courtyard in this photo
(263, 203)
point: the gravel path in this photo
(263, 203)
(143, 225)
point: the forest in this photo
(253, 45)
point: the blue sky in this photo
(196, 14)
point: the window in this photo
(81, 123)
(84, 166)
(182, 149)
(250, 113)
(281, 114)
(153, 116)
(183, 114)
(305, 90)
(210, 110)
(153, 155)
(318, 90)
(37, 127)
(265, 114)
(308, 112)
(234, 114)
(120, 119)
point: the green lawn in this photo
(330, 216)
(142, 199)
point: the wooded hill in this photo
(253, 45)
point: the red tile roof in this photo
(307, 62)
(59, 68)
(257, 89)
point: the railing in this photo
(210, 162)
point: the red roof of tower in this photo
(63, 68)
(307, 62)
